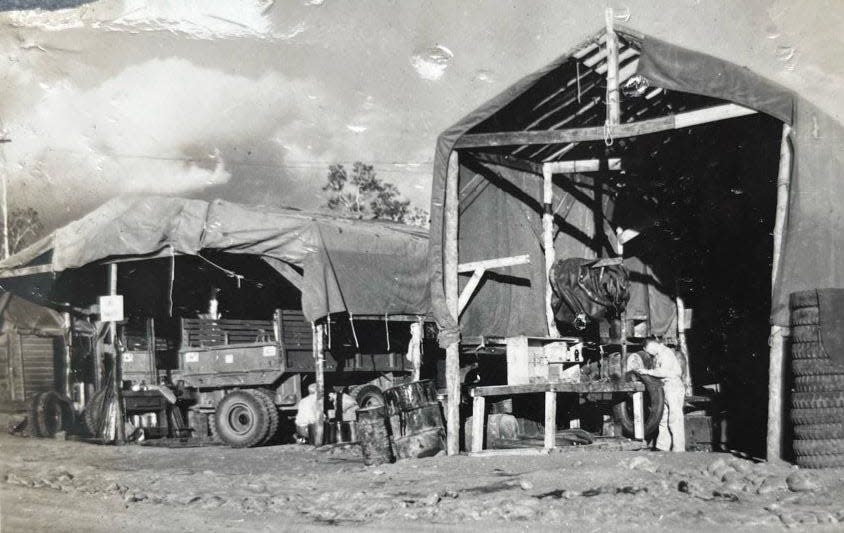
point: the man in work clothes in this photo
(672, 431)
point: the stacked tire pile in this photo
(817, 400)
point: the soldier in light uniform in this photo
(672, 431)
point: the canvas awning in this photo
(341, 265)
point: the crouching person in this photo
(306, 414)
(666, 366)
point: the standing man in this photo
(672, 431)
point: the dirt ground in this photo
(55, 485)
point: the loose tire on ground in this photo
(803, 299)
(241, 420)
(817, 416)
(808, 350)
(54, 414)
(819, 431)
(808, 333)
(654, 404)
(820, 461)
(272, 413)
(367, 395)
(94, 413)
(819, 447)
(32, 420)
(805, 316)
(815, 367)
(828, 383)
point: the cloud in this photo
(431, 63)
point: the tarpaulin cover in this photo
(28, 317)
(812, 253)
(360, 267)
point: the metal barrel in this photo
(416, 419)
(373, 436)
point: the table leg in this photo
(638, 416)
(478, 422)
(550, 420)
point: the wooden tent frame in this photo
(576, 135)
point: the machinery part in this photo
(94, 411)
(241, 419)
(34, 430)
(367, 395)
(819, 447)
(825, 383)
(654, 404)
(808, 350)
(805, 316)
(809, 333)
(819, 431)
(817, 416)
(817, 400)
(820, 461)
(54, 414)
(816, 367)
(266, 398)
(803, 299)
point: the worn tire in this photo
(808, 350)
(815, 367)
(805, 316)
(801, 299)
(820, 461)
(272, 413)
(827, 383)
(94, 411)
(367, 395)
(817, 400)
(241, 419)
(32, 420)
(819, 431)
(819, 447)
(54, 414)
(817, 416)
(809, 333)
(655, 403)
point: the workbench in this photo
(479, 395)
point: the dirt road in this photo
(50, 485)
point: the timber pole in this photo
(319, 370)
(548, 244)
(117, 363)
(613, 105)
(778, 333)
(452, 353)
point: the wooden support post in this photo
(776, 341)
(117, 363)
(550, 420)
(478, 423)
(416, 337)
(638, 416)
(480, 268)
(452, 352)
(613, 107)
(548, 244)
(469, 289)
(684, 347)
(67, 337)
(319, 368)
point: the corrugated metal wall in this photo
(39, 364)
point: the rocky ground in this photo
(75, 486)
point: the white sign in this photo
(269, 351)
(111, 308)
(191, 357)
(128, 357)
(229, 358)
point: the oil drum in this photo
(416, 419)
(374, 436)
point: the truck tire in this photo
(819, 447)
(32, 421)
(54, 414)
(241, 419)
(94, 413)
(817, 416)
(816, 367)
(808, 333)
(819, 431)
(808, 350)
(805, 316)
(817, 400)
(367, 395)
(801, 299)
(828, 383)
(654, 404)
(820, 461)
(266, 398)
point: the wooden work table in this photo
(551, 390)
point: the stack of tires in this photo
(817, 400)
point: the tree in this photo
(25, 228)
(362, 195)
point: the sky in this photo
(251, 100)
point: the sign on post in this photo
(111, 308)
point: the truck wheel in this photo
(654, 403)
(241, 420)
(32, 422)
(54, 414)
(271, 410)
(94, 411)
(367, 395)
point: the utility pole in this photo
(4, 140)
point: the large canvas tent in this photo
(340, 265)
(493, 175)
